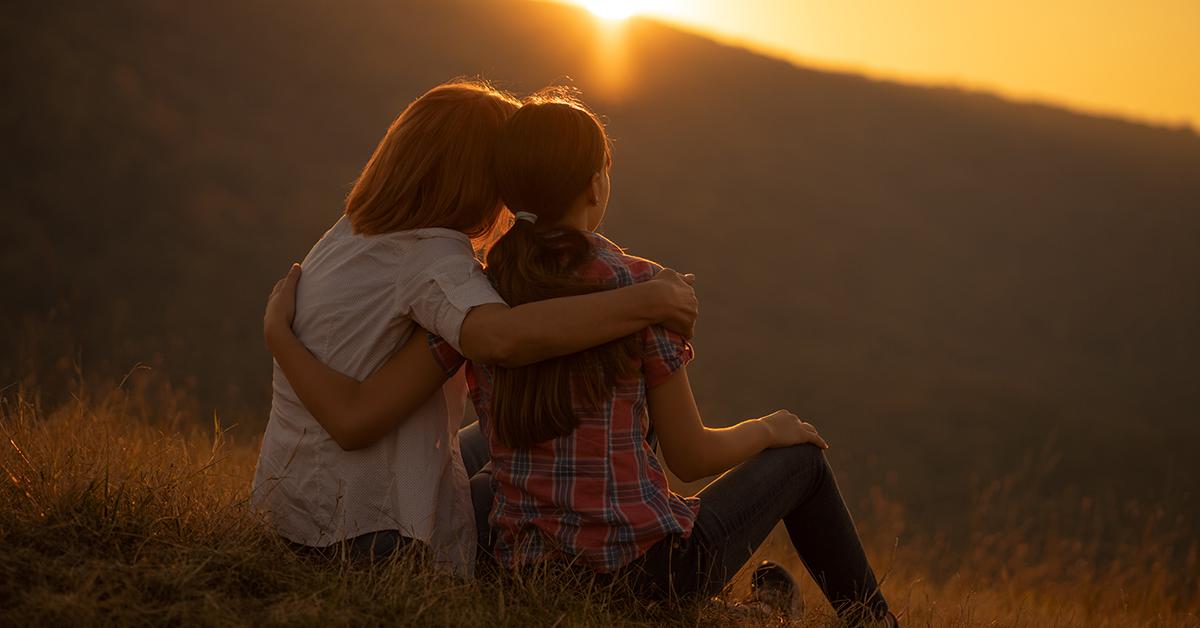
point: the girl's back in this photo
(597, 494)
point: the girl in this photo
(401, 258)
(573, 439)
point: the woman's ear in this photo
(594, 190)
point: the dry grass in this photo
(114, 511)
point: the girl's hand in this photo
(786, 429)
(281, 306)
(681, 308)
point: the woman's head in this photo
(434, 167)
(553, 158)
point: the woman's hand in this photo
(786, 429)
(281, 306)
(681, 308)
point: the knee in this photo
(804, 452)
(806, 458)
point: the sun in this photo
(612, 9)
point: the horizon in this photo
(986, 308)
(1141, 92)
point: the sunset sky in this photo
(1134, 59)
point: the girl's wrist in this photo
(764, 436)
(655, 301)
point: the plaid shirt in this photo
(597, 495)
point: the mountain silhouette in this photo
(942, 280)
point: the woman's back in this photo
(598, 493)
(359, 299)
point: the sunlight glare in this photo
(612, 9)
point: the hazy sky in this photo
(1137, 59)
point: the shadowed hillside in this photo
(942, 281)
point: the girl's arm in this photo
(355, 414)
(522, 335)
(694, 451)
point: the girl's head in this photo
(552, 161)
(434, 167)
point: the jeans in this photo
(739, 509)
(364, 548)
(477, 458)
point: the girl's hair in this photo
(433, 168)
(547, 155)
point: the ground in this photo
(117, 509)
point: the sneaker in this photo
(773, 586)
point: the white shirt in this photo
(359, 299)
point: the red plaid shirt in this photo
(598, 494)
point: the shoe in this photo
(773, 586)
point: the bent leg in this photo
(794, 485)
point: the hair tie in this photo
(532, 218)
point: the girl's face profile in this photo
(601, 188)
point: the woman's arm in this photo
(694, 451)
(512, 337)
(355, 414)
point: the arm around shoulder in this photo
(532, 332)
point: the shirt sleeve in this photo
(446, 356)
(664, 352)
(445, 283)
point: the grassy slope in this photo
(112, 513)
(950, 275)
(937, 279)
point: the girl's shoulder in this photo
(615, 266)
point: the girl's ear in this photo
(594, 189)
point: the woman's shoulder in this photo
(615, 265)
(423, 250)
(420, 245)
(436, 240)
(418, 254)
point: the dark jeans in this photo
(365, 548)
(477, 458)
(737, 512)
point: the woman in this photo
(572, 439)
(398, 260)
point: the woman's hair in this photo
(547, 155)
(433, 168)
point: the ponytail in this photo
(548, 153)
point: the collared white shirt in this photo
(359, 299)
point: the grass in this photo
(115, 508)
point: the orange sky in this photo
(1134, 59)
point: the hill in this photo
(107, 518)
(943, 281)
